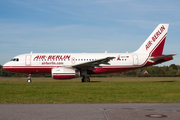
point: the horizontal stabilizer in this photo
(154, 59)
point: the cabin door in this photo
(28, 60)
(135, 60)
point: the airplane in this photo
(72, 65)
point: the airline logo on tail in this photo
(155, 37)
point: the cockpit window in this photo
(15, 59)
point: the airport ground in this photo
(105, 111)
(101, 99)
(99, 90)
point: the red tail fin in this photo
(159, 49)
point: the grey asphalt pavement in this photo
(114, 111)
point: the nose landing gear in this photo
(29, 78)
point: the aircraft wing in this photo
(154, 59)
(91, 64)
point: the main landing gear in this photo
(85, 77)
(29, 78)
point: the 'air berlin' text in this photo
(155, 37)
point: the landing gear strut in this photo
(29, 78)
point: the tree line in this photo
(152, 71)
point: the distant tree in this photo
(131, 73)
(166, 68)
(150, 70)
(153, 72)
(173, 66)
(162, 72)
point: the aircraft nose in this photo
(6, 66)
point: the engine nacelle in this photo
(64, 73)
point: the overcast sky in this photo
(66, 26)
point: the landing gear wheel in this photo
(29, 80)
(82, 79)
(85, 79)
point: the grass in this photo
(100, 90)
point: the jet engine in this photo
(64, 73)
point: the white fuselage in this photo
(36, 62)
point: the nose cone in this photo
(7, 66)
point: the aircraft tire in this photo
(82, 79)
(86, 79)
(29, 80)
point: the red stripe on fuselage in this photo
(29, 69)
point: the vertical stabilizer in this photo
(154, 44)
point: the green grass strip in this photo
(93, 92)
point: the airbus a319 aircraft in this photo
(72, 65)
